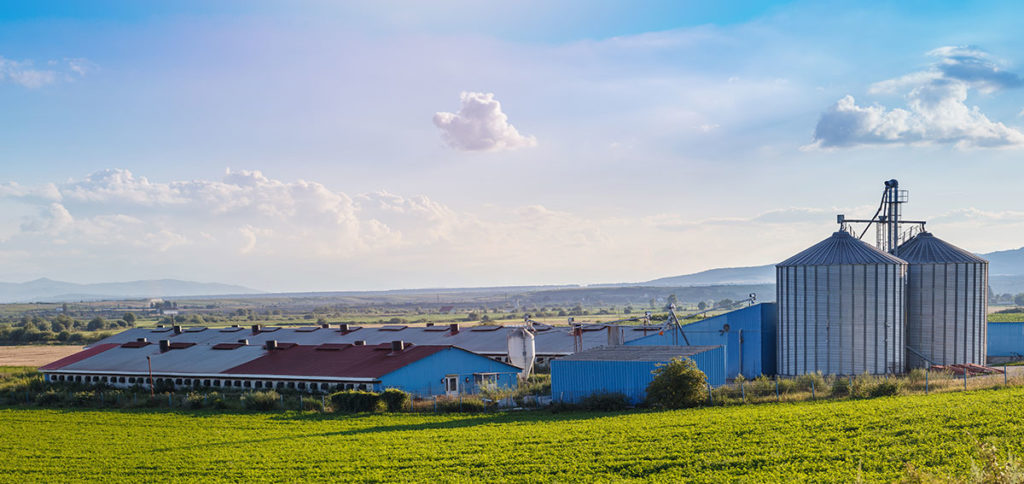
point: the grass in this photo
(880, 439)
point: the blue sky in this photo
(364, 145)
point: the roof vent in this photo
(430, 324)
(165, 345)
(271, 344)
(177, 329)
(359, 342)
(243, 341)
(255, 329)
(159, 325)
(397, 346)
(454, 327)
(343, 327)
(142, 340)
(325, 325)
(234, 325)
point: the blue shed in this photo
(626, 369)
(747, 336)
(1006, 339)
(451, 371)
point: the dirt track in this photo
(34, 355)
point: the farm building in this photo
(421, 370)
(1006, 341)
(747, 337)
(626, 369)
(488, 340)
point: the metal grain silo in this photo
(947, 303)
(840, 306)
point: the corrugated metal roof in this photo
(81, 355)
(637, 353)
(926, 248)
(554, 341)
(199, 359)
(839, 249)
(348, 362)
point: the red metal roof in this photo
(81, 355)
(349, 361)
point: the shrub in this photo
(394, 399)
(677, 384)
(805, 381)
(605, 402)
(763, 385)
(48, 398)
(840, 387)
(862, 384)
(917, 375)
(885, 388)
(194, 400)
(312, 404)
(465, 404)
(83, 399)
(351, 401)
(268, 400)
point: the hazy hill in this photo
(48, 290)
(730, 275)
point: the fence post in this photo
(282, 402)
(965, 379)
(435, 403)
(711, 399)
(743, 392)
(1004, 374)
(169, 402)
(777, 398)
(812, 389)
(300, 403)
(323, 402)
(927, 371)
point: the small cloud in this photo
(25, 74)
(936, 111)
(480, 125)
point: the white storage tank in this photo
(840, 306)
(947, 303)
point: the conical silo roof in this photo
(925, 248)
(841, 248)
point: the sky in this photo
(320, 145)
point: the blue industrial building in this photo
(1006, 340)
(747, 336)
(626, 369)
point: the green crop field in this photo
(872, 439)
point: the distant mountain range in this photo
(1006, 276)
(48, 290)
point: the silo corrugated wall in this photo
(840, 309)
(947, 303)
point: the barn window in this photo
(302, 385)
(206, 383)
(259, 384)
(122, 379)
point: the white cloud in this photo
(24, 73)
(480, 125)
(936, 111)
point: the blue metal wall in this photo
(749, 342)
(572, 380)
(426, 377)
(1006, 339)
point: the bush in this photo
(917, 375)
(194, 400)
(83, 399)
(605, 402)
(352, 401)
(394, 399)
(840, 387)
(805, 382)
(885, 388)
(48, 398)
(312, 404)
(268, 400)
(465, 404)
(677, 384)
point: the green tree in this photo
(96, 324)
(129, 318)
(702, 305)
(677, 384)
(1019, 299)
(672, 299)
